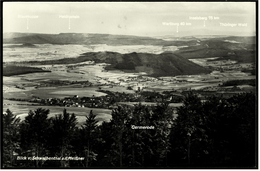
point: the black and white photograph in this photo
(129, 85)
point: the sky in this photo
(131, 18)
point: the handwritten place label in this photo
(198, 18)
(170, 24)
(233, 24)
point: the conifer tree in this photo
(34, 134)
(11, 138)
(89, 137)
(118, 126)
(61, 132)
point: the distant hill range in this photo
(241, 49)
(88, 39)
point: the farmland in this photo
(59, 71)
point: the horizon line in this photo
(177, 35)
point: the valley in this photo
(80, 74)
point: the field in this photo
(61, 92)
(42, 52)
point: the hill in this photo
(241, 49)
(164, 64)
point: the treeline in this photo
(251, 82)
(9, 70)
(217, 133)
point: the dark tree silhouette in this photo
(61, 132)
(89, 137)
(214, 133)
(11, 138)
(34, 134)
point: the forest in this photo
(10, 70)
(215, 133)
